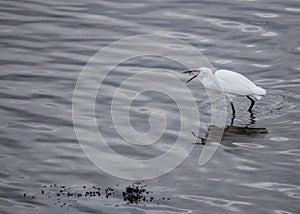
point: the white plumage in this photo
(232, 83)
(236, 84)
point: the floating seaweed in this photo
(63, 196)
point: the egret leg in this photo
(232, 121)
(233, 110)
(252, 103)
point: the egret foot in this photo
(203, 140)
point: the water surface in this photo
(44, 46)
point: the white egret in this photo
(232, 83)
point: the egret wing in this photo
(237, 84)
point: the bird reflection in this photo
(251, 122)
(232, 132)
(252, 118)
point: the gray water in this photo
(44, 47)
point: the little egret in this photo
(232, 83)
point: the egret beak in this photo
(192, 78)
(190, 72)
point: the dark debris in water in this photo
(109, 192)
(136, 193)
(64, 196)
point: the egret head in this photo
(202, 72)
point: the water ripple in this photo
(249, 145)
(45, 45)
(282, 212)
(294, 152)
(266, 15)
(290, 190)
(293, 9)
(218, 202)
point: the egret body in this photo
(232, 83)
